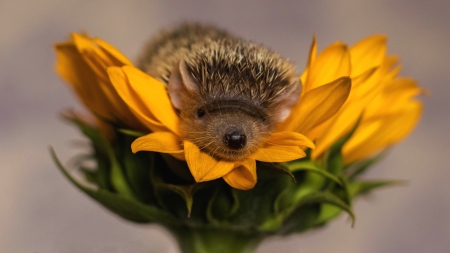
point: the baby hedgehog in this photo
(229, 93)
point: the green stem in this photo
(215, 240)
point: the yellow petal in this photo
(288, 139)
(202, 166)
(134, 100)
(332, 63)
(163, 142)
(311, 58)
(153, 96)
(243, 176)
(93, 55)
(367, 54)
(337, 128)
(114, 54)
(378, 133)
(278, 154)
(368, 88)
(72, 68)
(317, 106)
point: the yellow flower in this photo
(385, 102)
(82, 62)
(151, 104)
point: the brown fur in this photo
(240, 85)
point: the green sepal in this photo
(90, 175)
(124, 207)
(347, 197)
(366, 186)
(327, 213)
(301, 219)
(136, 168)
(358, 168)
(333, 160)
(309, 183)
(103, 147)
(328, 198)
(308, 165)
(130, 132)
(164, 190)
(118, 179)
(223, 204)
(256, 206)
(184, 191)
(98, 175)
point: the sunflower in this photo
(340, 85)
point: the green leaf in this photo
(366, 186)
(125, 207)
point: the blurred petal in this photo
(331, 64)
(114, 54)
(243, 176)
(94, 57)
(312, 57)
(367, 89)
(163, 142)
(367, 53)
(288, 139)
(316, 106)
(73, 69)
(202, 166)
(278, 154)
(374, 134)
(395, 94)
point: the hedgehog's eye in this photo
(200, 113)
(263, 118)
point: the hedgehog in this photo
(229, 93)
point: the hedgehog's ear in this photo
(180, 82)
(286, 101)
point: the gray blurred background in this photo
(41, 212)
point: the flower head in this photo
(352, 106)
(339, 85)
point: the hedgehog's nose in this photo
(235, 139)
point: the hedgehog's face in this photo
(227, 129)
